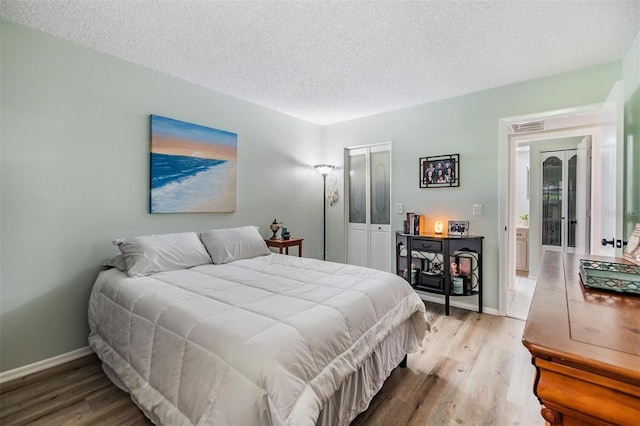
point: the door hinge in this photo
(589, 153)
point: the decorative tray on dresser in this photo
(585, 345)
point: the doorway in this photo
(603, 124)
(551, 203)
(368, 206)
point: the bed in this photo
(244, 339)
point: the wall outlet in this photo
(477, 209)
(399, 208)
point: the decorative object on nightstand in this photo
(324, 170)
(275, 225)
(285, 234)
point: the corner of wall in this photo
(631, 76)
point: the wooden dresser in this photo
(585, 346)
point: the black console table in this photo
(442, 264)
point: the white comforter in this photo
(259, 341)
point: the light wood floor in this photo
(472, 370)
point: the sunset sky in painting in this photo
(174, 137)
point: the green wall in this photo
(74, 175)
(465, 125)
(632, 136)
(74, 170)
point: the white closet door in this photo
(380, 208)
(358, 229)
(369, 222)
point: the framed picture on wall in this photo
(440, 171)
(193, 167)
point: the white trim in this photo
(44, 364)
(453, 302)
(369, 145)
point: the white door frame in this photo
(507, 179)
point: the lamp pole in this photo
(324, 216)
(324, 170)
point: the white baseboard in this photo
(44, 364)
(454, 301)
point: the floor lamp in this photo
(324, 170)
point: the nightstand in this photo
(285, 244)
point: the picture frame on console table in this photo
(458, 228)
(632, 249)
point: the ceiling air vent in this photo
(530, 126)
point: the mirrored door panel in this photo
(358, 188)
(380, 188)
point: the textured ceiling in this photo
(326, 62)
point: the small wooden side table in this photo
(285, 244)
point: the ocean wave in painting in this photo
(175, 168)
(193, 186)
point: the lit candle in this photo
(438, 227)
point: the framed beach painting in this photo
(193, 167)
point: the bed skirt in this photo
(357, 391)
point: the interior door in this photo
(564, 197)
(369, 222)
(380, 208)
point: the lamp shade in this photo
(438, 227)
(324, 169)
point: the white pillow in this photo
(157, 253)
(227, 245)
